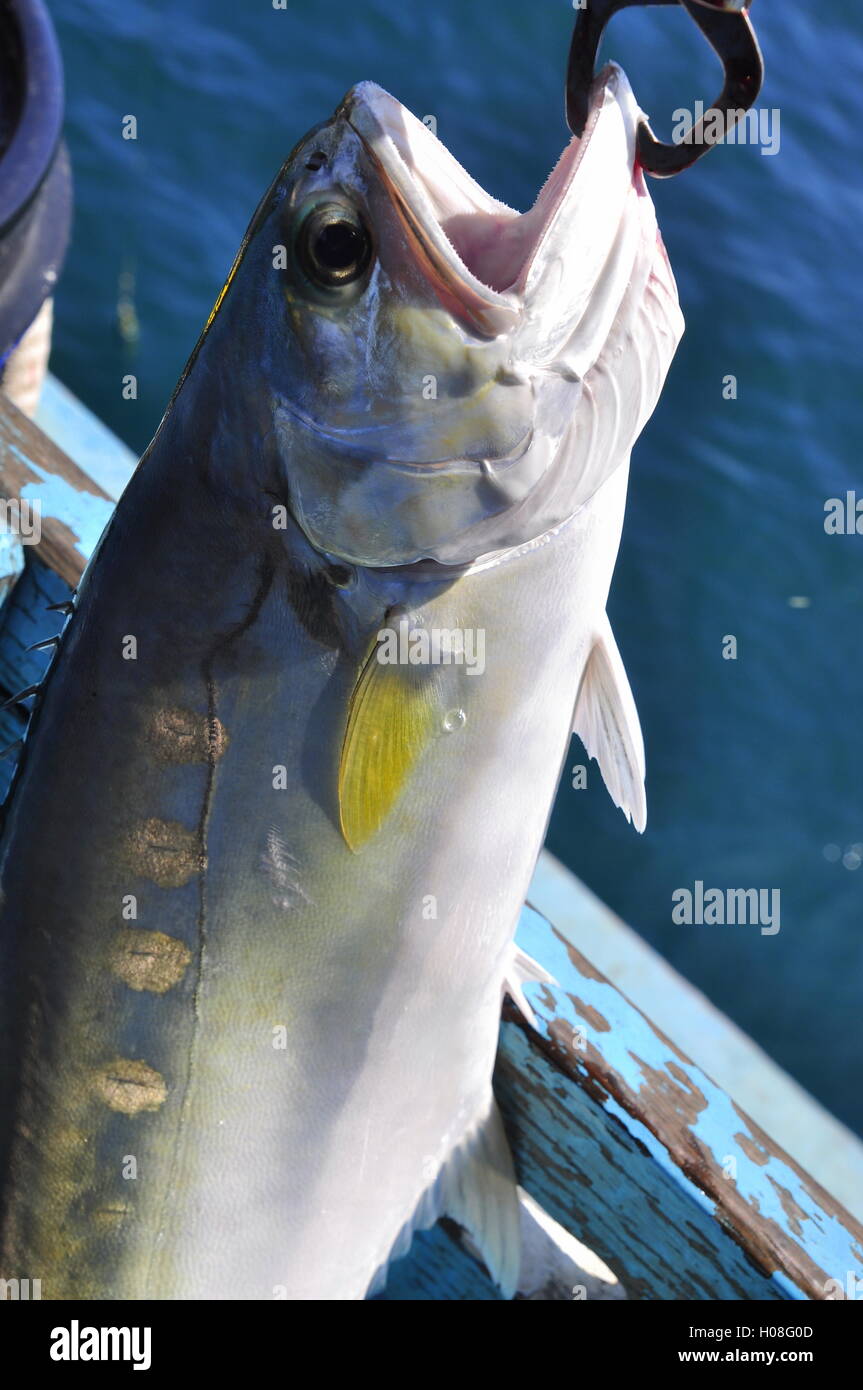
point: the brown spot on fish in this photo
(149, 959)
(165, 852)
(130, 1086)
(111, 1215)
(183, 736)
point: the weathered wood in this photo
(26, 619)
(11, 563)
(86, 438)
(443, 1266)
(74, 509)
(438, 1269)
(29, 619)
(635, 1151)
(632, 1149)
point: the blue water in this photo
(754, 765)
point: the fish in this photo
(292, 765)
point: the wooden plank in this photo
(642, 1158)
(12, 727)
(73, 508)
(437, 1268)
(11, 563)
(791, 1116)
(72, 512)
(27, 619)
(442, 1266)
(74, 427)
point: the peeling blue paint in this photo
(631, 1041)
(11, 557)
(84, 513)
(83, 436)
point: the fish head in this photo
(427, 350)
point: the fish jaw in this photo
(487, 261)
(442, 207)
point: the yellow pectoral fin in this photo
(395, 711)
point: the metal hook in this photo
(728, 29)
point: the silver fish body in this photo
(259, 887)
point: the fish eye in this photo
(333, 245)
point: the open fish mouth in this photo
(478, 252)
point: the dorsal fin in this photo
(606, 721)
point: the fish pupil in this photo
(338, 246)
(334, 246)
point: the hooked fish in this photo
(291, 770)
